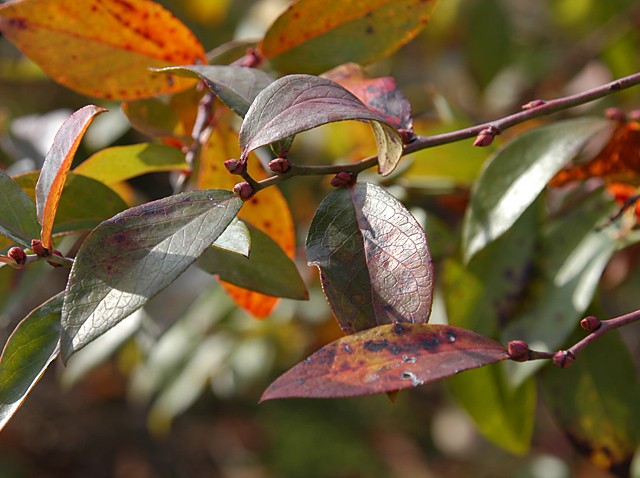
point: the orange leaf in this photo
(268, 211)
(103, 48)
(619, 160)
(56, 167)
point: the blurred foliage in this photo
(175, 393)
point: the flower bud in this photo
(235, 166)
(518, 350)
(563, 358)
(280, 165)
(485, 137)
(343, 179)
(38, 248)
(243, 190)
(590, 323)
(18, 255)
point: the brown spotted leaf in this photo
(381, 95)
(103, 48)
(373, 257)
(57, 164)
(385, 359)
(313, 36)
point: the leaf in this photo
(267, 270)
(131, 257)
(381, 95)
(373, 257)
(57, 164)
(515, 176)
(385, 359)
(595, 402)
(297, 103)
(268, 211)
(236, 86)
(235, 239)
(103, 48)
(619, 160)
(32, 346)
(119, 163)
(155, 118)
(84, 203)
(313, 36)
(18, 219)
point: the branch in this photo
(484, 133)
(519, 350)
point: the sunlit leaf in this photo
(236, 86)
(56, 167)
(131, 257)
(119, 163)
(381, 95)
(18, 219)
(268, 211)
(32, 346)
(297, 103)
(373, 257)
(515, 176)
(103, 48)
(384, 359)
(84, 203)
(235, 239)
(619, 160)
(595, 402)
(267, 270)
(313, 36)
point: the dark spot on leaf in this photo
(345, 366)
(373, 346)
(19, 23)
(398, 329)
(431, 343)
(326, 356)
(451, 336)
(369, 30)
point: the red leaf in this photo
(385, 359)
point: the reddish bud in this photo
(485, 137)
(563, 358)
(615, 114)
(38, 248)
(280, 165)
(590, 323)
(406, 135)
(518, 350)
(251, 59)
(343, 179)
(533, 104)
(55, 253)
(235, 166)
(18, 255)
(243, 190)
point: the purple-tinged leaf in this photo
(131, 257)
(32, 346)
(57, 164)
(373, 257)
(385, 359)
(297, 103)
(236, 86)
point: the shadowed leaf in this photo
(56, 167)
(297, 103)
(313, 36)
(373, 257)
(103, 48)
(119, 163)
(155, 118)
(384, 359)
(18, 219)
(236, 86)
(516, 174)
(131, 257)
(32, 346)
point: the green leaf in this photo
(313, 36)
(236, 86)
(57, 164)
(268, 269)
(385, 359)
(18, 219)
(131, 257)
(297, 103)
(119, 163)
(32, 346)
(572, 257)
(595, 402)
(235, 239)
(154, 118)
(84, 203)
(503, 413)
(515, 176)
(373, 257)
